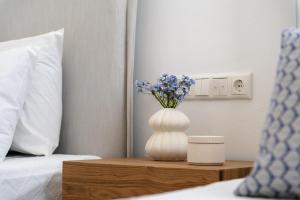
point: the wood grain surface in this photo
(121, 178)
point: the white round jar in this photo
(206, 150)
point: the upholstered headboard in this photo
(94, 73)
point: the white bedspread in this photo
(33, 178)
(217, 191)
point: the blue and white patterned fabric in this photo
(276, 173)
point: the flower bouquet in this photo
(169, 91)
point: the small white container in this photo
(206, 150)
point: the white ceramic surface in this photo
(206, 150)
(169, 141)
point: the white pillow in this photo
(38, 129)
(15, 67)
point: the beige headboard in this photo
(94, 75)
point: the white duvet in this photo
(217, 191)
(33, 178)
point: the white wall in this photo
(298, 13)
(211, 36)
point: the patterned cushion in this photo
(276, 173)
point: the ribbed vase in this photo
(169, 141)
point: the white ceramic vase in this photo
(169, 141)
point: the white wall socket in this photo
(229, 86)
(241, 85)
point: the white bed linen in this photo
(216, 191)
(33, 177)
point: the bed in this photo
(92, 56)
(216, 191)
(26, 177)
(95, 53)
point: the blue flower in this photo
(142, 86)
(169, 90)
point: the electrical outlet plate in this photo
(222, 86)
(240, 85)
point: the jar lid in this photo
(206, 139)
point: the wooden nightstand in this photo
(120, 178)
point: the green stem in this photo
(170, 103)
(165, 102)
(175, 104)
(159, 100)
(168, 98)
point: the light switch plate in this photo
(214, 87)
(219, 87)
(222, 86)
(204, 89)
